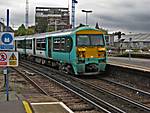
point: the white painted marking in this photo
(51, 103)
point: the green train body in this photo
(77, 51)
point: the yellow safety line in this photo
(27, 107)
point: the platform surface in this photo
(12, 107)
(135, 63)
(50, 107)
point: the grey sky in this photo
(113, 15)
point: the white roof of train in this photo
(44, 35)
(52, 34)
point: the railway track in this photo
(51, 89)
(124, 105)
(93, 100)
(132, 93)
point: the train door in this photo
(24, 47)
(34, 46)
(15, 45)
(49, 47)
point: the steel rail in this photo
(102, 89)
(119, 96)
(80, 92)
(32, 82)
(127, 86)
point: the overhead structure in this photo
(73, 13)
(27, 14)
(86, 11)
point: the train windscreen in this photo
(90, 40)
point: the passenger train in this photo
(80, 51)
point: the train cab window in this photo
(41, 44)
(83, 40)
(90, 40)
(97, 40)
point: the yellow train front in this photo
(90, 53)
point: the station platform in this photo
(133, 63)
(25, 107)
(18, 106)
(14, 105)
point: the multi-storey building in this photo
(51, 19)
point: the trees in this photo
(23, 31)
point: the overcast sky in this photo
(113, 15)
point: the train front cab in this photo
(90, 52)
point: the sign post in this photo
(7, 57)
(6, 39)
(6, 84)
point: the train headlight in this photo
(101, 54)
(81, 52)
(101, 49)
(81, 49)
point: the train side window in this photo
(21, 44)
(69, 44)
(63, 44)
(56, 44)
(41, 44)
(29, 44)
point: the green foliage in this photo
(50, 29)
(23, 31)
(30, 31)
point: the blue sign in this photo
(6, 42)
(7, 38)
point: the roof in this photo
(141, 37)
(54, 33)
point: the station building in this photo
(51, 19)
(136, 41)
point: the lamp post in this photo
(130, 39)
(86, 11)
